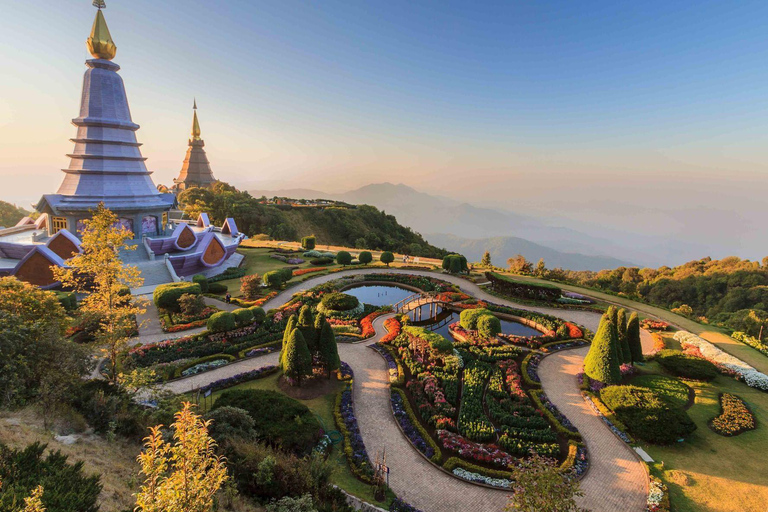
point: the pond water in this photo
(445, 319)
(379, 295)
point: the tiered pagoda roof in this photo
(196, 170)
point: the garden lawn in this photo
(708, 332)
(322, 407)
(709, 472)
(672, 390)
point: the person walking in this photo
(227, 298)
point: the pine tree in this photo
(289, 327)
(633, 338)
(621, 326)
(486, 261)
(602, 362)
(327, 348)
(298, 360)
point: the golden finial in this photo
(195, 123)
(100, 42)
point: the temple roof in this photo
(196, 170)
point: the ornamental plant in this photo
(250, 286)
(734, 418)
(621, 326)
(365, 257)
(602, 361)
(297, 359)
(387, 258)
(328, 350)
(343, 258)
(633, 338)
(308, 242)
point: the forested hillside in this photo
(363, 226)
(10, 214)
(730, 292)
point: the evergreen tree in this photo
(541, 269)
(298, 360)
(613, 316)
(602, 362)
(633, 338)
(486, 261)
(327, 348)
(307, 327)
(289, 327)
(621, 326)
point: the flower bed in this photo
(619, 432)
(346, 422)
(302, 271)
(239, 378)
(751, 341)
(734, 418)
(411, 427)
(530, 369)
(745, 372)
(476, 477)
(561, 422)
(654, 325)
(576, 463)
(393, 327)
(658, 496)
(399, 505)
(290, 261)
(473, 423)
(483, 453)
(366, 324)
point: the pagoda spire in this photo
(195, 122)
(100, 42)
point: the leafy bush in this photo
(250, 286)
(687, 366)
(191, 305)
(308, 242)
(166, 296)
(258, 314)
(647, 415)
(322, 261)
(365, 257)
(488, 326)
(221, 322)
(274, 278)
(343, 258)
(68, 300)
(455, 263)
(217, 288)
(243, 316)
(66, 487)
(339, 301)
(387, 257)
(230, 423)
(279, 420)
(202, 281)
(469, 317)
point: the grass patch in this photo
(669, 389)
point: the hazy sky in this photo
(649, 116)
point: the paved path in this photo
(616, 481)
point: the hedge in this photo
(258, 314)
(488, 326)
(243, 316)
(686, 366)
(229, 273)
(202, 281)
(308, 242)
(221, 322)
(68, 300)
(273, 278)
(167, 295)
(217, 288)
(506, 286)
(524, 371)
(551, 417)
(438, 456)
(242, 353)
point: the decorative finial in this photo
(100, 42)
(195, 123)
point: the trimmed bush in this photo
(339, 301)
(488, 326)
(297, 360)
(221, 322)
(469, 317)
(308, 242)
(387, 258)
(68, 300)
(322, 261)
(258, 314)
(506, 285)
(455, 263)
(217, 288)
(166, 296)
(602, 361)
(279, 420)
(243, 316)
(274, 278)
(621, 326)
(633, 338)
(365, 257)
(686, 366)
(343, 258)
(202, 281)
(647, 415)
(669, 389)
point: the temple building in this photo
(196, 170)
(106, 166)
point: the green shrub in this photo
(686, 366)
(243, 316)
(278, 419)
(647, 415)
(68, 300)
(274, 278)
(217, 288)
(602, 361)
(343, 258)
(221, 322)
(488, 326)
(339, 301)
(308, 242)
(633, 338)
(469, 317)
(365, 257)
(321, 262)
(669, 389)
(66, 486)
(455, 263)
(202, 281)
(387, 257)
(442, 345)
(166, 296)
(258, 314)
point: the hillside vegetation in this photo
(10, 214)
(731, 292)
(361, 227)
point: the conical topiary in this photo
(633, 338)
(613, 316)
(298, 360)
(307, 327)
(289, 327)
(621, 326)
(327, 348)
(602, 361)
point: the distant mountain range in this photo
(470, 229)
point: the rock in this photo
(71, 439)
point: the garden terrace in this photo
(516, 289)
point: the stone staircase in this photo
(154, 272)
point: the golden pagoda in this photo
(100, 42)
(196, 170)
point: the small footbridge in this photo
(437, 311)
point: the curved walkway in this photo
(616, 481)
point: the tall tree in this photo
(298, 360)
(621, 327)
(613, 315)
(633, 338)
(541, 487)
(293, 321)
(602, 361)
(99, 273)
(183, 476)
(541, 269)
(328, 349)
(307, 327)
(520, 265)
(486, 260)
